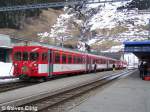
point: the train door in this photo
(88, 64)
(108, 64)
(50, 63)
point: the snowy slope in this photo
(104, 20)
(108, 17)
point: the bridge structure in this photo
(141, 49)
(55, 4)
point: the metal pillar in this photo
(149, 31)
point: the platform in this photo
(22, 95)
(130, 94)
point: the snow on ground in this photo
(115, 48)
(107, 16)
(99, 18)
(92, 41)
(6, 69)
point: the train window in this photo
(25, 56)
(69, 59)
(97, 61)
(63, 58)
(44, 57)
(91, 61)
(88, 60)
(17, 56)
(57, 58)
(79, 60)
(94, 61)
(83, 59)
(74, 59)
(102, 61)
(34, 56)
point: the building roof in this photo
(147, 42)
(140, 48)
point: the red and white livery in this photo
(43, 62)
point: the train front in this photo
(25, 61)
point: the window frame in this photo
(44, 58)
(25, 56)
(64, 57)
(37, 58)
(17, 56)
(57, 54)
(69, 59)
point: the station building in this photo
(6, 45)
(142, 50)
(5, 48)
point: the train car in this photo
(120, 64)
(41, 62)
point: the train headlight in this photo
(35, 65)
(15, 64)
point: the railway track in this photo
(7, 86)
(13, 85)
(46, 103)
(19, 84)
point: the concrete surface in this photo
(48, 87)
(130, 94)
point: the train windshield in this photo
(17, 56)
(25, 56)
(34, 56)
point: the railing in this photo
(54, 4)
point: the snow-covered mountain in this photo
(96, 23)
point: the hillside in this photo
(34, 25)
(99, 25)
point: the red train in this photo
(41, 62)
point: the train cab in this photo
(28, 60)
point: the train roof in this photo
(75, 51)
(68, 50)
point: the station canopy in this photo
(140, 48)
